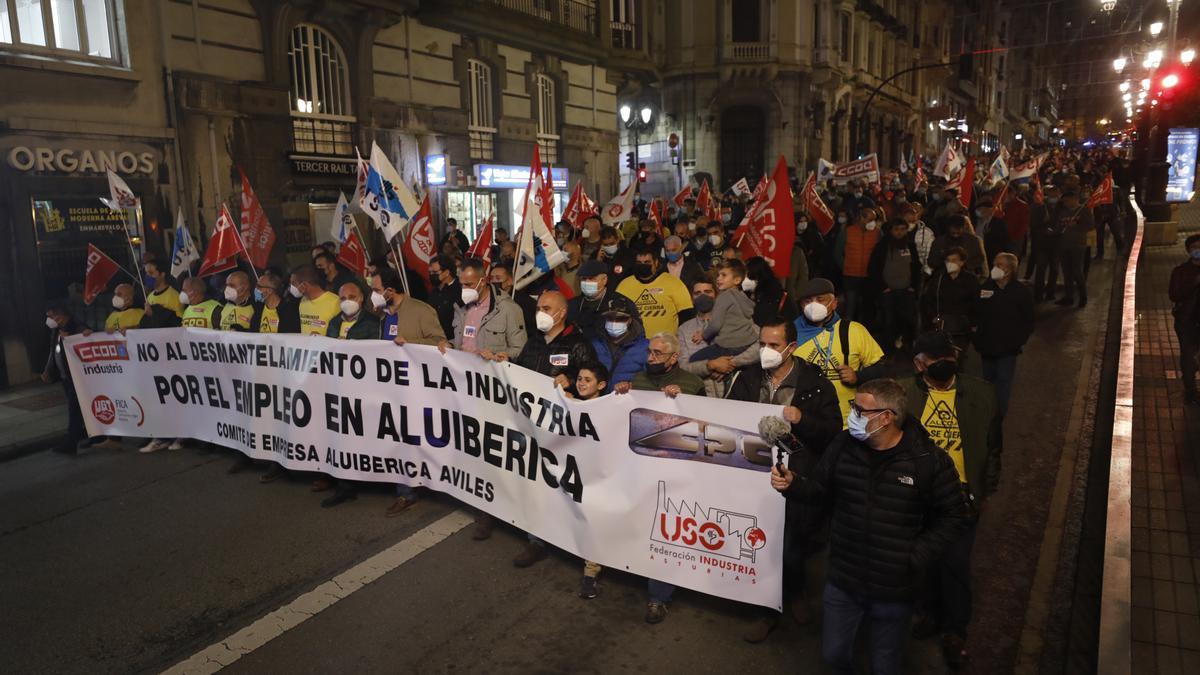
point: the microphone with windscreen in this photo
(777, 432)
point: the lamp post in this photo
(636, 123)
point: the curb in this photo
(14, 451)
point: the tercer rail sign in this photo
(672, 489)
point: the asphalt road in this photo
(118, 562)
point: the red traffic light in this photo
(1170, 81)
(641, 172)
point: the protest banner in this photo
(672, 489)
(865, 169)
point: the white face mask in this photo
(749, 285)
(952, 267)
(801, 226)
(610, 249)
(769, 358)
(997, 274)
(184, 299)
(590, 288)
(377, 300)
(118, 302)
(543, 321)
(871, 225)
(469, 296)
(842, 220)
(714, 239)
(350, 307)
(294, 290)
(51, 323)
(616, 328)
(816, 312)
(230, 294)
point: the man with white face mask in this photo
(1003, 323)
(561, 348)
(852, 252)
(811, 407)
(126, 314)
(238, 312)
(486, 323)
(897, 504)
(842, 349)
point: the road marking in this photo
(305, 607)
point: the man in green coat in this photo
(960, 414)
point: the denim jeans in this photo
(408, 491)
(854, 289)
(999, 370)
(659, 591)
(889, 627)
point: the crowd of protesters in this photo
(908, 277)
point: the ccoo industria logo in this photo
(102, 350)
(711, 531)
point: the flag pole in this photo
(400, 262)
(245, 252)
(132, 253)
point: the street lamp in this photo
(1187, 56)
(1119, 63)
(626, 111)
(1124, 86)
(646, 113)
(1156, 28)
(1108, 5)
(637, 125)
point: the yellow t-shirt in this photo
(659, 302)
(940, 419)
(126, 318)
(346, 326)
(825, 352)
(236, 315)
(269, 323)
(315, 315)
(168, 298)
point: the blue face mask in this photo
(856, 424)
(1194, 254)
(258, 295)
(674, 256)
(616, 328)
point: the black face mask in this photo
(643, 270)
(941, 371)
(656, 368)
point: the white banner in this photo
(866, 169)
(673, 489)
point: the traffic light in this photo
(629, 161)
(642, 172)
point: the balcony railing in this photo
(579, 15)
(747, 51)
(625, 35)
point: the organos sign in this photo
(72, 160)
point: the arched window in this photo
(482, 126)
(322, 120)
(547, 119)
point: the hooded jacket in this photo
(893, 512)
(624, 357)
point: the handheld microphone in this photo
(777, 432)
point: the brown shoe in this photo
(322, 484)
(762, 628)
(399, 506)
(800, 610)
(483, 527)
(530, 556)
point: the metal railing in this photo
(747, 51)
(1115, 651)
(579, 15)
(625, 35)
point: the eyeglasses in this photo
(854, 407)
(661, 355)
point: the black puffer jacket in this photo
(894, 511)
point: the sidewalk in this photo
(33, 417)
(1166, 486)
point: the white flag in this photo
(360, 186)
(825, 169)
(386, 199)
(949, 163)
(537, 251)
(903, 164)
(741, 187)
(184, 252)
(998, 171)
(120, 196)
(342, 222)
(620, 208)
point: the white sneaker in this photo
(153, 446)
(176, 444)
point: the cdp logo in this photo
(103, 410)
(102, 350)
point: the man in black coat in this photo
(1003, 321)
(897, 503)
(447, 292)
(811, 407)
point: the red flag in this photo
(576, 210)
(683, 194)
(998, 201)
(1103, 194)
(920, 173)
(655, 215)
(223, 247)
(816, 206)
(419, 247)
(353, 255)
(100, 270)
(770, 232)
(257, 234)
(759, 189)
(548, 198)
(1038, 196)
(482, 248)
(704, 201)
(964, 182)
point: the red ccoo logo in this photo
(103, 410)
(102, 350)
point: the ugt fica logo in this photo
(107, 410)
(711, 531)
